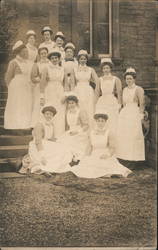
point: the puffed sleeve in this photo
(118, 86)
(38, 133)
(10, 72)
(96, 80)
(140, 96)
(35, 73)
(44, 79)
(84, 120)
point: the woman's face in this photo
(59, 41)
(69, 53)
(106, 69)
(55, 60)
(47, 36)
(31, 40)
(48, 115)
(43, 54)
(100, 123)
(71, 104)
(130, 80)
(24, 53)
(83, 60)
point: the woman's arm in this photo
(38, 133)
(140, 96)
(35, 75)
(118, 85)
(44, 80)
(72, 81)
(10, 72)
(111, 144)
(96, 80)
(84, 120)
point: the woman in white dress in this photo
(76, 136)
(60, 40)
(69, 63)
(52, 88)
(36, 73)
(130, 140)
(47, 33)
(45, 153)
(32, 50)
(106, 90)
(101, 161)
(19, 103)
(83, 75)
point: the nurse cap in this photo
(70, 45)
(19, 44)
(106, 60)
(83, 52)
(30, 32)
(59, 34)
(130, 70)
(47, 28)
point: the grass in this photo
(64, 210)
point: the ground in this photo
(64, 210)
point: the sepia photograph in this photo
(78, 124)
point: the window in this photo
(89, 26)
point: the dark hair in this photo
(103, 116)
(69, 47)
(28, 35)
(55, 53)
(133, 74)
(72, 98)
(50, 31)
(49, 108)
(106, 63)
(21, 47)
(42, 48)
(62, 37)
(78, 57)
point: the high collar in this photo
(30, 46)
(132, 86)
(20, 59)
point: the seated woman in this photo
(45, 153)
(101, 161)
(76, 136)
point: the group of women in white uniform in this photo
(76, 127)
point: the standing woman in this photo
(47, 34)
(83, 75)
(19, 103)
(36, 74)
(32, 50)
(52, 90)
(109, 86)
(60, 40)
(130, 144)
(69, 63)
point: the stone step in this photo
(6, 140)
(21, 132)
(2, 109)
(13, 151)
(3, 102)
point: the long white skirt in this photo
(109, 103)
(54, 94)
(85, 95)
(130, 139)
(94, 167)
(19, 104)
(77, 144)
(57, 157)
(36, 110)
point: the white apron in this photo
(54, 93)
(109, 103)
(93, 167)
(84, 91)
(130, 139)
(19, 103)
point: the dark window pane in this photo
(101, 27)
